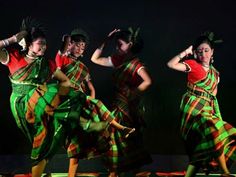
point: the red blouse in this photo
(17, 61)
(62, 60)
(119, 60)
(196, 72)
(133, 78)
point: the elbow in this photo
(148, 83)
(93, 59)
(170, 65)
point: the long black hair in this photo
(34, 29)
(207, 37)
(133, 36)
(78, 35)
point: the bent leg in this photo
(38, 169)
(222, 163)
(74, 163)
(191, 171)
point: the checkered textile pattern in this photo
(206, 135)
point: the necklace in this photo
(73, 57)
(206, 66)
(31, 57)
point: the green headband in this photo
(211, 36)
(134, 33)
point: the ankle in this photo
(127, 131)
(112, 174)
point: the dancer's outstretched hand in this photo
(66, 39)
(189, 50)
(113, 32)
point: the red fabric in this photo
(17, 61)
(134, 79)
(197, 72)
(117, 60)
(52, 65)
(62, 60)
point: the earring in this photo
(212, 60)
(195, 56)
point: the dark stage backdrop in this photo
(167, 27)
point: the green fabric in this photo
(43, 112)
(76, 71)
(95, 139)
(206, 135)
(127, 154)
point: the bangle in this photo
(5, 42)
(179, 56)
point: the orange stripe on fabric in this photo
(38, 140)
(30, 117)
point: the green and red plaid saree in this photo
(89, 144)
(78, 73)
(127, 154)
(206, 135)
(44, 112)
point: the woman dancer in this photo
(131, 81)
(46, 113)
(68, 61)
(208, 139)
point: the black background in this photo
(167, 27)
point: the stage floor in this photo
(162, 165)
(94, 174)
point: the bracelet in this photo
(185, 53)
(5, 42)
(179, 56)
